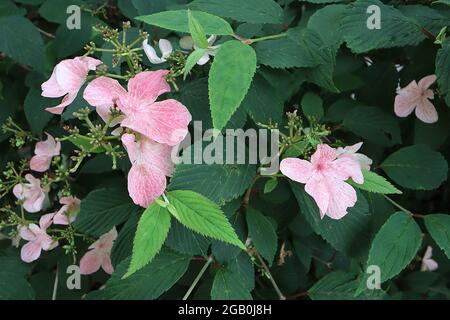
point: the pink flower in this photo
(350, 151)
(100, 255)
(44, 152)
(163, 121)
(428, 264)
(38, 239)
(416, 96)
(66, 80)
(32, 194)
(68, 212)
(325, 179)
(151, 163)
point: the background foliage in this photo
(320, 67)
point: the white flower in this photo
(164, 46)
(428, 264)
(187, 44)
(350, 151)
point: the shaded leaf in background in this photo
(228, 286)
(438, 225)
(263, 234)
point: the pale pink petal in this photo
(90, 262)
(426, 111)
(150, 52)
(30, 251)
(342, 196)
(107, 265)
(103, 93)
(318, 190)
(404, 105)
(296, 169)
(18, 191)
(364, 161)
(92, 63)
(430, 264)
(166, 47)
(51, 88)
(428, 253)
(144, 186)
(47, 243)
(26, 234)
(203, 59)
(346, 167)
(40, 163)
(61, 219)
(71, 74)
(49, 147)
(164, 122)
(46, 220)
(323, 154)
(67, 100)
(34, 202)
(426, 82)
(145, 87)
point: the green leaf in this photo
(253, 11)
(55, 10)
(394, 246)
(151, 233)
(416, 167)
(350, 235)
(10, 261)
(9, 8)
(203, 216)
(244, 269)
(263, 234)
(375, 183)
(373, 124)
(197, 33)
(438, 225)
(262, 103)
(219, 183)
(178, 21)
(326, 22)
(34, 106)
(148, 283)
(103, 209)
(13, 286)
(341, 285)
(442, 66)
(191, 60)
(229, 80)
(227, 286)
(184, 240)
(270, 185)
(22, 41)
(312, 105)
(396, 30)
(123, 245)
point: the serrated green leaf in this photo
(393, 247)
(263, 234)
(13, 286)
(177, 20)
(151, 233)
(270, 185)
(229, 80)
(103, 209)
(396, 30)
(253, 11)
(197, 33)
(375, 183)
(203, 216)
(148, 283)
(123, 245)
(227, 286)
(438, 225)
(312, 105)
(186, 241)
(191, 60)
(416, 167)
(442, 65)
(34, 106)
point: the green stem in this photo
(266, 268)
(199, 276)
(416, 215)
(274, 36)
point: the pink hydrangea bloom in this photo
(32, 194)
(415, 96)
(68, 212)
(66, 80)
(428, 264)
(44, 152)
(37, 238)
(351, 151)
(163, 121)
(151, 163)
(99, 255)
(325, 179)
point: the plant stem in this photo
(274, 36)
(266, 268)
(199, 276)
(402, 208)
(55, 285)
